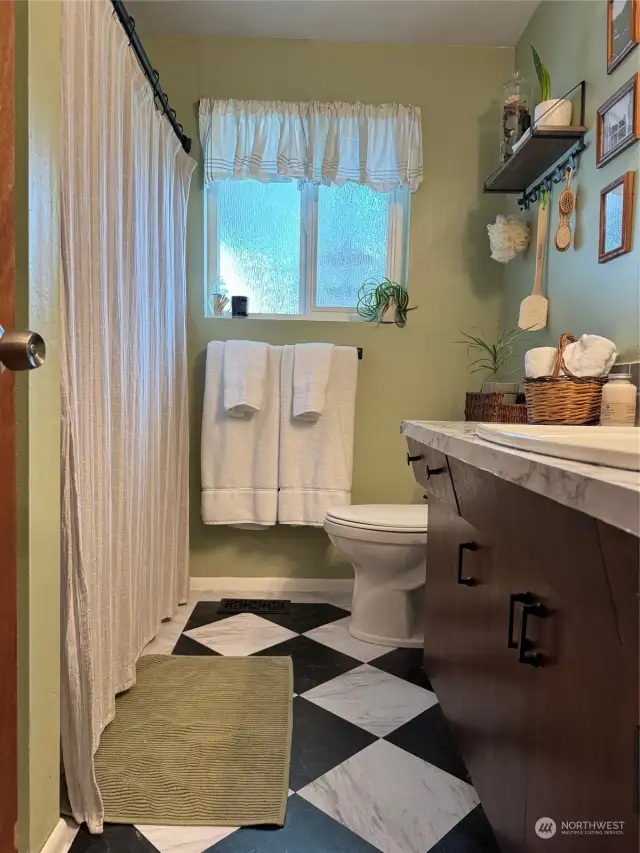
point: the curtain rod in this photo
(153, 76)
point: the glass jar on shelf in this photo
(516, 113)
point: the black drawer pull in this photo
(431, 472)
(467, 580)
(527, 654)
(521, 598)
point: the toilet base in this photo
(388, 603)
(388, 616)
(415, 642)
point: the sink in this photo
(616, 447)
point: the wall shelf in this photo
(541, 159)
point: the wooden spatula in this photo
(533, 309)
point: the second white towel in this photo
(316, 457)
(311, 369)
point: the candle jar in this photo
(516, 113)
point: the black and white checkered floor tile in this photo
(373, 767)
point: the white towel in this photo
(591, 355)
(539, 362)
(311, 368)
(240, 455)
(316, 458)
(245, 368)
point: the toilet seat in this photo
(390, 523)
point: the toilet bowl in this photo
(386, 545)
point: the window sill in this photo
(319, 316)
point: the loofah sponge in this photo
(507, 237)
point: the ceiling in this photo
(482, 22)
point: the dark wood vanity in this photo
(531, 644)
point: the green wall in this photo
(38, 412)
(412, 373)
(584, 296)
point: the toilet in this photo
(386, 545)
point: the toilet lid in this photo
(382, 517)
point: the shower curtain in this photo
(125, 184)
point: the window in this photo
(298, 249)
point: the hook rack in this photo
(542, 158)
(555, 176)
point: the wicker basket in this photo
(491, 408)
(566, 399)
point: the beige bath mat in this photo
(200, 741)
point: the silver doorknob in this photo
(21, 350)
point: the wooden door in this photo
(499, 743)
(474, 674)
(498, 759)
(8, 592)
(583, 765)
(452, 625)
(576, 734)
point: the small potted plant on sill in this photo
(550, 111)
(384, 302)
(493, 358)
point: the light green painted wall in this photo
(410, 373)
(38, 410)
(584, 296)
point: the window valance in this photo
(329, 143)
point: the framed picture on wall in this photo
(618, 123)
(616, 218)
(623, 30)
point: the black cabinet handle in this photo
(527, 654)
(520, 598)
(467, 580)
(431, 472)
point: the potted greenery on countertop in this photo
(550, 111)
(493, 359)
(384, 302)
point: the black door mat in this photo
(255, 605)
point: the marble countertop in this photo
(608, 494)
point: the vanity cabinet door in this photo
(499, 703)
(431, 470)
(451, 616)
(583, 760)
(575, 668)
(472, 672)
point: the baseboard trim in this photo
(60, 839)
(279, 585)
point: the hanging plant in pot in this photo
(550, 111)
(384, 302)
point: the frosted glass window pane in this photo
(259, 244)
(353, 222)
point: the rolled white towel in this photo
(539, 362)
(591, 355)
(244, 372)
(311, 369)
